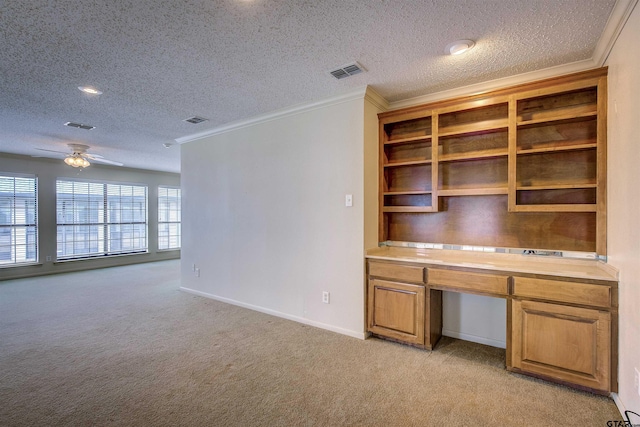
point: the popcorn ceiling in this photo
(159, 62)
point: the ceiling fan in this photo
(79, 158)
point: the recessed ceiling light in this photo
(459, 47)
(90, 90)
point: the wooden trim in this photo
(489, 95)
(601, 198)
(435, 157)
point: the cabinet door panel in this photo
(566, 343)
(396, 310)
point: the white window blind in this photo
(100, 219)
(18, 220)
(169, 219)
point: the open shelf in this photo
(407, 209)
(408, 140)
(561, 114)
(557, 208)
(470, 128)
(405, 193)
(474, 155)
(556, 186)
(472, 191)
(523, 164)
(578, 146)
(407, 163)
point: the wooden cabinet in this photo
(563, 343)
(396, 310)
(558, 328)
(529, 157)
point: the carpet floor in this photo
(124, 346)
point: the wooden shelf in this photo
(536, 149)
(406, 193)
(555, 187)
(475, 155)
(408, 140)
(556, 208)
(408, 163)
(473, 191)
(567, 113)
(572, 147)
(486, 125)
(407, 209)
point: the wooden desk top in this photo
(528, 264)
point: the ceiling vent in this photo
(195, 120)
(347, 70)
(79, 126)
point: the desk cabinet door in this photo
(396, 310)
(567, 344)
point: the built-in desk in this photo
(561, 313)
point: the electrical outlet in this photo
(325, 297)
(48, 258)
(636, 380)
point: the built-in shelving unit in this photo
(535, 154)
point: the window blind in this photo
(18, 219)
(100, 219)
(169, 218)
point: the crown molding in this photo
(616, 22)
(353, 95)
(376, 99)
(474, 89)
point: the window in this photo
(100, 219)
(18, 220)
(169, 218)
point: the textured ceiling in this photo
(159, 62)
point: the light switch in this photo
(348, 200)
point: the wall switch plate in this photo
(325, 297)
(348, 200)
(48, 258)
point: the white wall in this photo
(623, 228)
(47, 171)
(264, 216)
(264, 220)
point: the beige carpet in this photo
(123, 346)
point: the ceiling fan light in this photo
(77, 161)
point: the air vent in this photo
(347, 70)
(195, 120)
(79, 126)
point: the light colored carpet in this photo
(123, 346)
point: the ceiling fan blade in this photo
(53, 151)
(108, 162)
(92, 156)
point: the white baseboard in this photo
(619, 404)
(332, 328)
(474, 338)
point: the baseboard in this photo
(474, 338)
(619, 404)
(332, 328)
